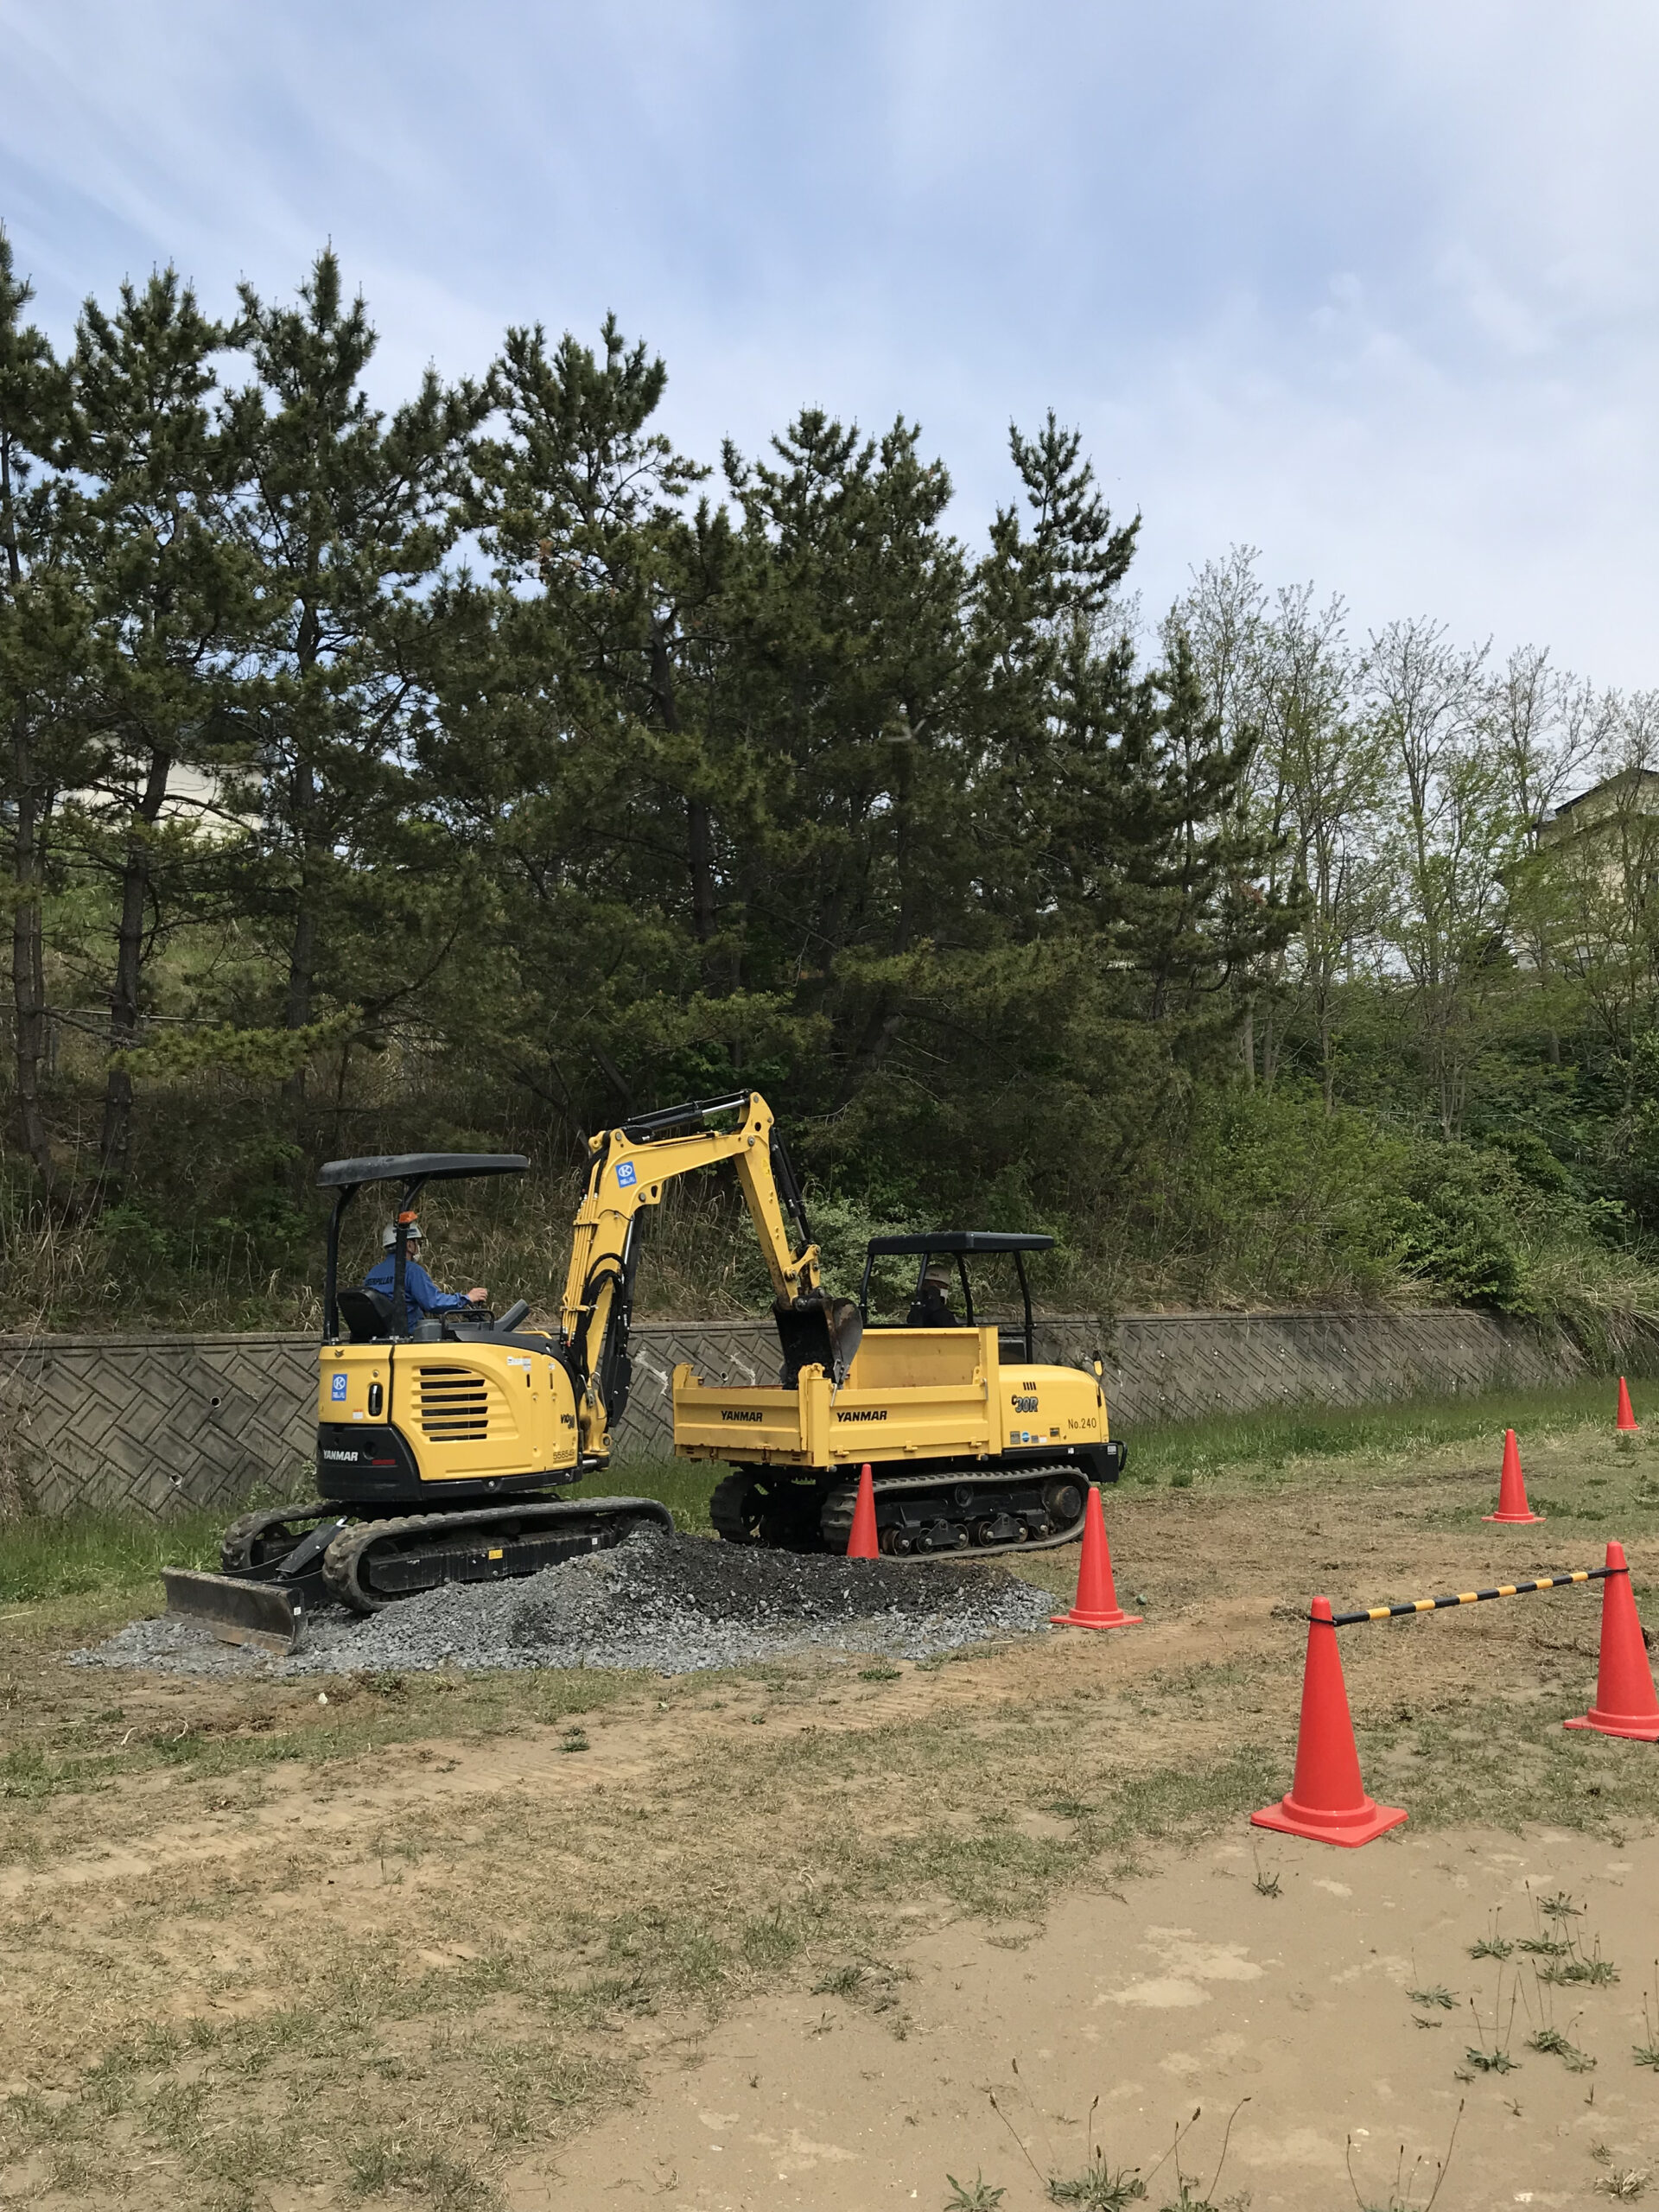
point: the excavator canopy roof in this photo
(429, 1166)
(960, 1240)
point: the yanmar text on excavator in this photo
(442, 1443)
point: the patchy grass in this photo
(260, 1726)
(1326, 1444)
(444, 1918)
(683, 1485)
(446, 2041)
(111, 1555)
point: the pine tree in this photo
(159, 472)
(44, 632)
(595, 751)
(349, 515)
(852, 631)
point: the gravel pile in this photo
(671, 1603)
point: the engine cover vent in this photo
(454, 1404)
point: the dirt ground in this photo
(1192, 1991)
(550, 1939)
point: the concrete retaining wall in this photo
(1182, 1366)
(155, 1422)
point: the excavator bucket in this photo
(818, 1332)
(269, 1614)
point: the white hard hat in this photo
(389, 1234)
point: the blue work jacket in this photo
(421, 1294)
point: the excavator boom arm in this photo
(631, 1166)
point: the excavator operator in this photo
(421, 1294)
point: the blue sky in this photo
(1367, 284)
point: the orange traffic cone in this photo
(1512, 1489)
(1327, 1801)
(861, 1540)
(1097, 1604)
(1627, 1424)
(1625, 1704)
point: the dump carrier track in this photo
(918, 1514)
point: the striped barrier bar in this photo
(1475, 1596)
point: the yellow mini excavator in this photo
(442, 1442)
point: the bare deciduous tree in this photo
(1453, 832)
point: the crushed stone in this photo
(672, 1604)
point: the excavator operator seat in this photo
(366, 1313)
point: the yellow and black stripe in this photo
(1476, 1596)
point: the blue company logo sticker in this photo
(626, 1175)
(337, 1387)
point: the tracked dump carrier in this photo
(972, 1443)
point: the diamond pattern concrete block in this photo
(133, 1420)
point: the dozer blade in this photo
(269, 1614)
(818, 1332)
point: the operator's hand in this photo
(477, 1296)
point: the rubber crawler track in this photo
(342, 1562)
(726, 1506)
(725, 1509)
(835, 1522)
(239, 1546)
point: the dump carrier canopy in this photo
(959, 1240)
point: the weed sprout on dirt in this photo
(1557, 1940)
(1624, 2185)
(1098, 2186)
(1265, 1884)
(1578, 1966)
(1496, 2060)
(1647, 2054)
(1547, 2038)
(1561, 1906)
(975, 2196)
(1186, 2198)
(1492, 1945)
(1402, 2192)
(1554, 2044)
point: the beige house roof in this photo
(1615, 799)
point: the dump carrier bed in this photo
(911, 1394)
